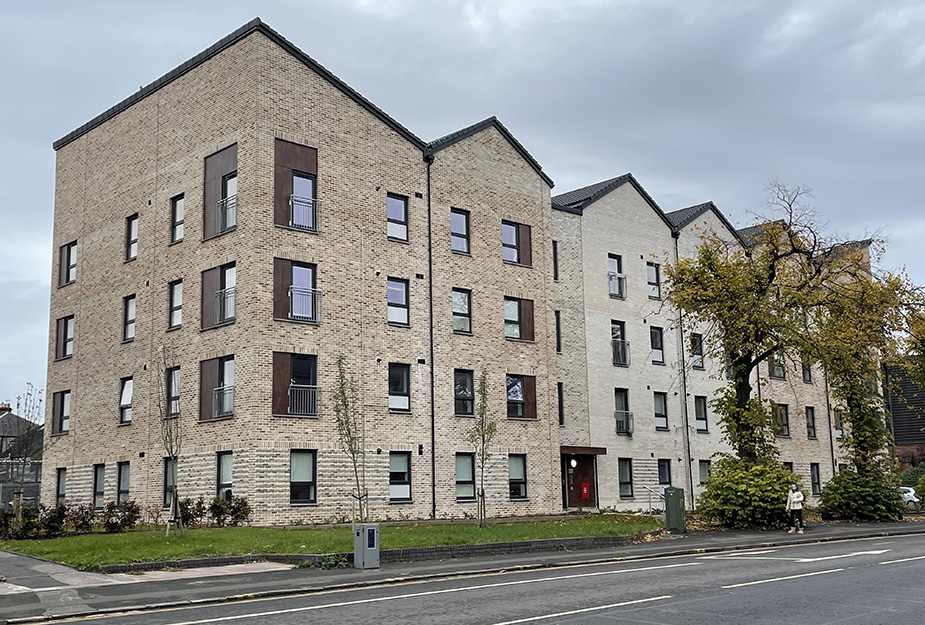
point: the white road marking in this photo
(844, 555)
(737, 555)
(583, 610)
(428, 593)
(749, 558)
(781, 579)
(904, 560)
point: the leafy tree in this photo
(350, 431)
(481, 434)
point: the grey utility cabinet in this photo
(675, 521)
(366, 546)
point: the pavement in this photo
(39, 590)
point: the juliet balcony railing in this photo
(224, 305)
(305, 213)
(621, 352)
(305, 304)
(304, 400)
(222, 402)
(226, 210)
(617, 284)
(624, 421)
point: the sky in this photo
(700, 100)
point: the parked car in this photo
(912, 500)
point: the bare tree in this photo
(350, 433)
(168, 381)
(481, 433)
(21, 433)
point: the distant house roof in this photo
(576, 201)
(684, 216)
(24, 435)
(752, 235)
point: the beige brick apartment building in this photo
(224, 234)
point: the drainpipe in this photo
(688, 469)
(429, 159)
(828, 414)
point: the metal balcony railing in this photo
(226, 216)
(624, 421)
(222, 402)
(305, 213)
(305, 304)
(304, 400)
(224, 305)
(617, 284)
(621, 352)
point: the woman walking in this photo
(795, 506)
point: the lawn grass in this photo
(90, 551)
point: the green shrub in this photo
(920, 488)
(744, 494)
(31, 523)
(240, 511)
(53, 519)
(912, 476)
(129, 514)
(81, 517)
(219, 511)
(192, 512)
(110, 517)
(872, 496)
(6, 524)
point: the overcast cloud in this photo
(700, 100)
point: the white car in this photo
(909, 496)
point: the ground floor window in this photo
(626, 476)
(517, 475)
(224, 461)
(704, 471)
(170, 480)
(815, 479)
(99, 480)
(465, 476)
(400, 476)
(302, 488)
(122, 474)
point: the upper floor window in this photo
(462, 311)
(131, 237)
(125, 401)
(396, 209)
(622, 415)
(128, 318)
(305, 209)
(220, 196)
(67, 264)
(175, 304)
(219, 295)
(838, 423)
(515, 243)
(518, 318)
(295, 385)
(464, 392)
(558, 316)
(697, 351)
(177, 215)
(173, 392)
(399, 387)
(810, 422)
(776, 366)
(782, 418)
(295, 295)
(295, 187)
(653, 280)
(658, 348)
(64, 337)
(619, 344)
(700, 413)
(661, 411)
(216, 388)
(555, 260)
(807, 367)
(615, 276)
(459, 230)
(521, 396)
(517, 475)
(61, 412)
(397, 295)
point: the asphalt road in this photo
(861, 582)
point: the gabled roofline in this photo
(255, 25)
(578, 208)
(455, 137)
(702, 208)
